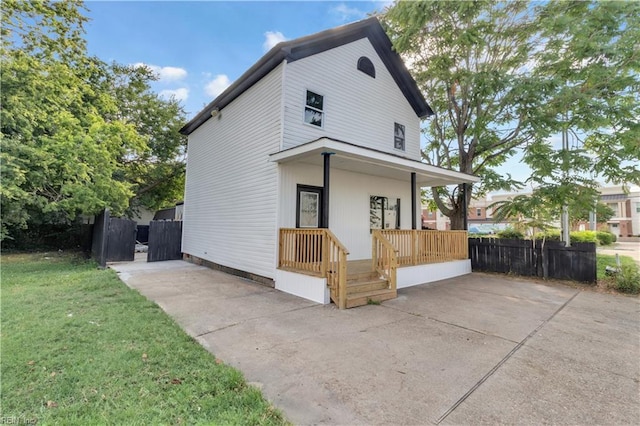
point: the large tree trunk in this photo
(457, 219)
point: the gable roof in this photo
(303, 47)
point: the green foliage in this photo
(628, 280)
(583, 237)
(605, 237)
(504, 77)
(604, 260)
(549, 235)
(80, 347)
(77, 135)
(511, 234)
(590, 66)
(470, 60)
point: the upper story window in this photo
(366, 66)
(398, 136)
(314, 109)
(478, 212)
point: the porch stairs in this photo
(364, 286)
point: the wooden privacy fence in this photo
(165, 240)
(113, 239)
(550, 259)
(316, 252)
(417, 247)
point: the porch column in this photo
(414, 202)
(324, 222)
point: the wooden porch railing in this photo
(385, 258)
(316, 252)
(417, 247)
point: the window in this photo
(384, 213)
(308, 206)
(398, 136)
(366, 66)
(314, 109)
(478, 212)
(637, 207)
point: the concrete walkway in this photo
(480, 349)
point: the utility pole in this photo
(565, 174)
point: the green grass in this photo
(80, 347)
(604, 260)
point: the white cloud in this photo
(346, 13)
(165, 74)
(180, 94)
(271, 38)
(216, 86)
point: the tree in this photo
(78, 135)
(504, 77)
(471, 60)
(157, 173)
(590, 66)
(603, 214)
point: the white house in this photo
(306, 173)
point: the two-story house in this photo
(306, 173)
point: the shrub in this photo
(628, 280)
(606, 237)
(583, 237)
(511, 234)
(551, 235)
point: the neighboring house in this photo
(624, 202)
(626, 206)
(170, 213)
(305, 173)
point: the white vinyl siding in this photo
(231, 186)
(357, 108)
(349, 202)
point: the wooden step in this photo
(366, 285)
(360, 299)
(362, 276)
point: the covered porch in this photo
(361, 205)
(315, 265)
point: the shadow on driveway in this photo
(475, 349)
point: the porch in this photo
(313, 263)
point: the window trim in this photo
(321, 111)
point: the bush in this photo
(628, 280)
(510, 234)
(606, 237)
(551, 235)
(583, 237)
(575, 236)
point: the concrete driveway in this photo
(476, 349)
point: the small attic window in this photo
(366, 66)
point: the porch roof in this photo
(369, 161)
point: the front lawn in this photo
(80, 347)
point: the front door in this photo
(308, 215)
(308, 207)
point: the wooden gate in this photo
(114, 239)
(165, 240)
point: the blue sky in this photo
(199, 48)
